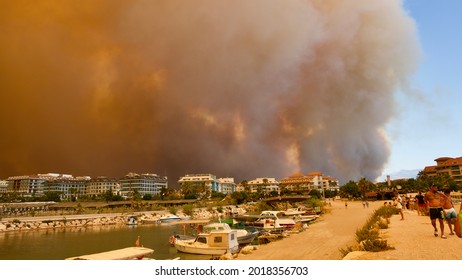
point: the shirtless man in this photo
(449, 211)
(434, 199)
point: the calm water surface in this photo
(58, 244)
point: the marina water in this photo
(62, 243)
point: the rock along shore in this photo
(85, 220)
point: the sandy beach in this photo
(412, 238)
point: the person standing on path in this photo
(449, 211)
(399, 206)
(420, 204)
(434, 200)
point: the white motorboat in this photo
(279, 217)
(211, 243)
(299, 215)
(169, 218)
(131, 220)
(267, 225)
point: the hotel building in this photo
(446, 165)
(151, 184)
(314, 180)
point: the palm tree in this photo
(364, 186)
(246, 186)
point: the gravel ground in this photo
(323, 239)
(411, 238)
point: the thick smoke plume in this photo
(234, 88)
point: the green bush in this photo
(366, 233)
(188, 209)
(375, 245)
(173, 210)
(369, 236)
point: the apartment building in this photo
(151, 184)
(266, 185)
(68, 186)
(98, 186)
(226, 185)
(30, 185)
(3, 186)
(313, 180)
(208, 181)
(446, 165)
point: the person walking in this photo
(433, 199)
(420, 204)
(449, 211)
(399, 206)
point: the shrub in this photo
(188, 209)
(369, 236)
(173, 210)
(375, 245)
(346, 251)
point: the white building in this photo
(151, 184)
(208, 181)
(67, 186)
(100, 185)
(3, 186)
(314, 180)
(30, 185)
(226, 185)
(266, 185)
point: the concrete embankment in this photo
(86, 220)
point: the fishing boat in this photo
(190, 229)
(129, 253)
(244, 237)
(210, 243)
(131, 221)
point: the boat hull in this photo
(184, 247)
(247, 239)
(170, 218)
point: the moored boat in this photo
(211, 243)
(244, 237)
(169, 218)
(131, 221)
(279, 217)
(300, 215)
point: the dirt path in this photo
(413, 239)
(323, 239)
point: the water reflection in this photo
(61, 243)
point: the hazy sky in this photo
(238, 88)
(429, 123)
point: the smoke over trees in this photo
(234, 88)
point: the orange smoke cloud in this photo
(235, 88)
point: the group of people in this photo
(441, 207)
(438, 205)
